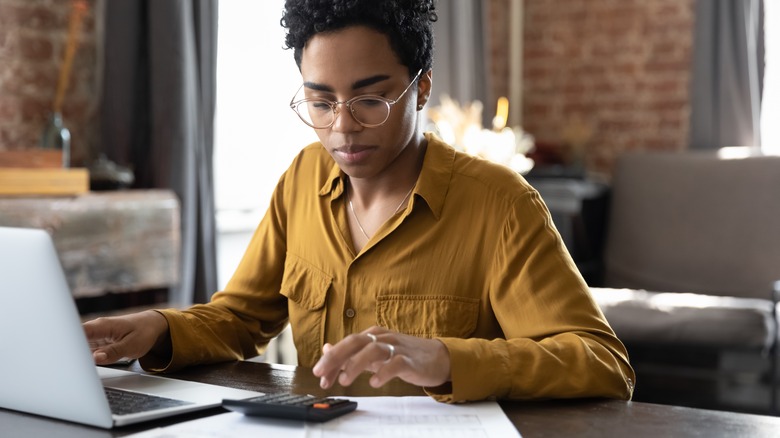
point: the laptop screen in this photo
(47, 367)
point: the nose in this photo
(344, 120)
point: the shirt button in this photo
(350, 313)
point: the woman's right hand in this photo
(127, 337)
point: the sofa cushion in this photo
(692, 222)
(687, 319)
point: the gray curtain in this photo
(157, 117)
(461, 67)
(727, 79)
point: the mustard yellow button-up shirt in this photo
(474, 260)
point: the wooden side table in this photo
(108, 242)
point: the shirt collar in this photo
(334, 183)
(436, 174)
(432, 184)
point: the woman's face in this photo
(356, 61)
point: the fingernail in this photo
(323, 383)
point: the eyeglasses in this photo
(369, 111)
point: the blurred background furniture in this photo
(119, 249)
(578, 207)
(691, 259)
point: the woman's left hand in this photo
(387, 354)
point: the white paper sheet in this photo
(407, 417)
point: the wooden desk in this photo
(561, 418)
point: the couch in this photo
(692, 259)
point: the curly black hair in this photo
(407, 23)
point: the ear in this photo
(424, 89)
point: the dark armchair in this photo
(692, 260)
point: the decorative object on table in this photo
(565, 158)
(454, 122)
(55, 134)
(575, 136)
(104, 174)
(461, 126)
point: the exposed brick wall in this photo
(612, 75)
(33, 35)
(618, 69)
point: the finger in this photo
(392, 368)
(334, 357)
(96, 329)
(323, 367)
(100, 357)
(371, 358)
(325, 381)
(107, 354)
(108, 351)
(98, 334)
(338, 357)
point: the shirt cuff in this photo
(156, 361)
(476, 372)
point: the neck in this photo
(369, 220)
(394, 181)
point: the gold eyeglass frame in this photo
(334, 105)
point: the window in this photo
(256, 133)
(770, 104)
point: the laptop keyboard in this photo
(127, 402)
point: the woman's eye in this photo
(368, 102)
(320, 105)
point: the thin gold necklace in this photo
(352, 209)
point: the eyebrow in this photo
(355, 85)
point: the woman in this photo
(386, 249)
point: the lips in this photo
(354, 153)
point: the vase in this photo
(56, 136)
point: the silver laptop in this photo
(47, 367)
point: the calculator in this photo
(292, 406)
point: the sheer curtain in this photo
(728, 64)
(461, 61)
(157, 115)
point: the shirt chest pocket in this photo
(428, 316)
(306, 289)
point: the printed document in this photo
(408, 417)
